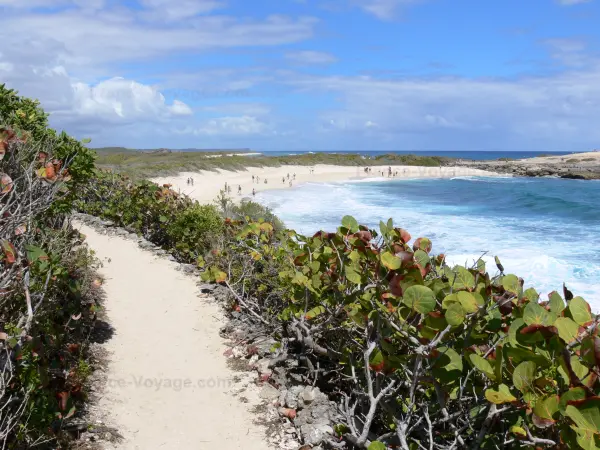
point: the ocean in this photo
(542, 229)
(476, 155)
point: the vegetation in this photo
(48, 298)
(139, 165)
(416, 353)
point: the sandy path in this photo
(208, 184)
(165, 335)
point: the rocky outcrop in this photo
(527, 168)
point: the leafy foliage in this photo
(417, 353)
(47, 299)
(169, 220)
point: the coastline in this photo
(208, 184)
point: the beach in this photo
(207, 184)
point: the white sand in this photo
(165, 334)
(208, 184)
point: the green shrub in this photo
(174, 222)
(419, 354)
(47, 301)
(195, 230)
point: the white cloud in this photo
(308, 57)
(555, 112)
(230, 126)
(169, 10)
(384, 9)
(117, 35)
(571, 2)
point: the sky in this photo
(311, 74)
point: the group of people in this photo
(190, 181)
(257, 179)
(228, 188)
(288, 179)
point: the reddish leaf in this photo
(540, 422)
(10, 252)
(404, 235)
(50, 173)
(395, 287)
(21, 229)
(546, 331)
(364, 236)
(63, 397)
(418, 242)
(42, 156)
(6, 183)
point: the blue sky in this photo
(311, 74)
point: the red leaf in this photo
(6, 183)
(404, 235)
(10, 252)
(395, 287)
(62, 398)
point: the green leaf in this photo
(535, 314)
(524, 375)
(464, 278)
(455, 314)
(580, 311)
(482, 365)
(501, 396)
(586, 414)
(557, 304)
(350, 223)
(316, 311)
(468, 301)
(568, 330)
(420, 298)
(390, 261)
(35, 254)
(572, 394)
(422, 258)
(511, 283)
(546, 407)
(532, 295)
(352, 275)
(376, 445)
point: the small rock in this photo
(268, 392)
(308, 395)
(206, 288)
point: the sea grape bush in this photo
(418, 354)
(166, 218)
(47, 294)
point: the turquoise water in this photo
(545, 230)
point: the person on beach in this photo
(290, 183)
(253, 192)
(283, 180)
(239, 189)
(294, 176)
(226, 186)
(265, 181)
(252, 179)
